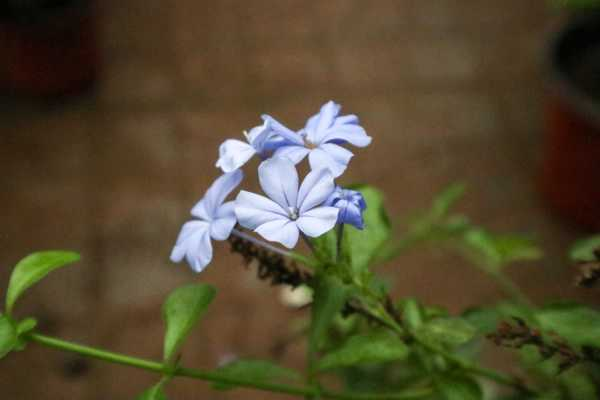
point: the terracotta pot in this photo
(570, 177)
(50, 49)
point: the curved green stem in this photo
(157, 367)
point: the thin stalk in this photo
(340, 237)
(215, 377)
(261, 243)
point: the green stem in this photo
(511, 289)
(214, 377)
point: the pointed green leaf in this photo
(154, 393)
(578, 325)
(360, 247)
(445, 200)
(456, 387)
(329, 297)
(181, 311)
(497, 250)
(412, 313)
(32, 269)
(253, 371)
(26, 326)
(449, 331)
(365, 349)
(8, 336)
(583, 250)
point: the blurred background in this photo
(110, 117)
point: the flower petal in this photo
(283, 231)
(318, 221)
(279, 180)
(315, 189)
(224, 221)
(293, 153)
(351, 133)
(194, 244)
(253, 210)
(331, 156)
(283, 131)
(318, 124)
(350, 213)
(233, 154)
(221, 228)
(207, 207)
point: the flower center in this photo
(292, 213)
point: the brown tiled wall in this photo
(450, 90)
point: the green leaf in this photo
(411, 313)
(253, 371)
(181, 311)
(330, 295)
(32, 269)
(8, 336)
(360, 247)
(365, 349)
(449, 331)
(444, 201)
(26, 326)
(498, 250)
(457, 387)
(583, 250)
(153, 393)
(578, 325)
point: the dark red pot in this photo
(50, 52)
(570, 177)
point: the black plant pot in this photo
(570, 178)
(47, 47)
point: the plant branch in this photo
(215, 377)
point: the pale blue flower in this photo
(289, 209)
(351, 205)
(233, 153)
(321, 139)
(215, 221)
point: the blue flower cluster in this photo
(290, 208)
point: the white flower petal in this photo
(279, 180)
(318, 124)
(283, 231)
(215, 195)
(283, 131)
(253, 210)
(221, 228)
(194, 244)
(351, 133)
(201, 255)
(315, 189)
(233, 154)
(318, 221)
(331, 156)
(292, 152)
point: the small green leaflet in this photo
(578, 325)
(447, 331)
(253, 371)
(365, 349)
(32, 269)
(8, 336)
(457, 387)
(181, 311)
(583, 250)
(154, 393)
(497, 250)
